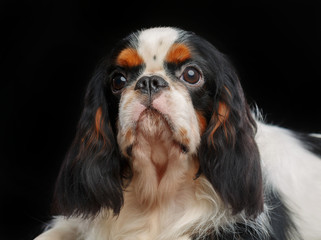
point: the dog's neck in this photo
(160, 168)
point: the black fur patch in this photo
(282, 227)
(311, 143)
(280, 222)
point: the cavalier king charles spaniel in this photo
(167, 148)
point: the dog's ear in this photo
(92, 173)
(228, 153)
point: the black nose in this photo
(150, 84)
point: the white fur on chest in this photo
(195, 208)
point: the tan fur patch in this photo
(201, 122)
(183, 134)
(129, 57)
(178, 53)
(98, 120)
(220, 118)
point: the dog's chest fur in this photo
(162, 189)
(166, 218)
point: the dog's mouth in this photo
(156, 127)
(152, 122)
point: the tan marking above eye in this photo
(178, 53)
(129, 57)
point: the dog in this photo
(167, 147)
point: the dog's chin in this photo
(156, 127)
(153, 124)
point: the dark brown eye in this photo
(191, 75)
(118, 82)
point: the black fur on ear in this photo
(228, 154)
(92, 174)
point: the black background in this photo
(49, 50)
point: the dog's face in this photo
(162, 85)
(159, 84)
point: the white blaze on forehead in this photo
(153, 45)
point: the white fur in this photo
(295, 173)
(154, 44)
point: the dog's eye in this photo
(191, 75)
(118, 82)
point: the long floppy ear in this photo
(228, 153)
(91, 175)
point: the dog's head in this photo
(162, 84)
